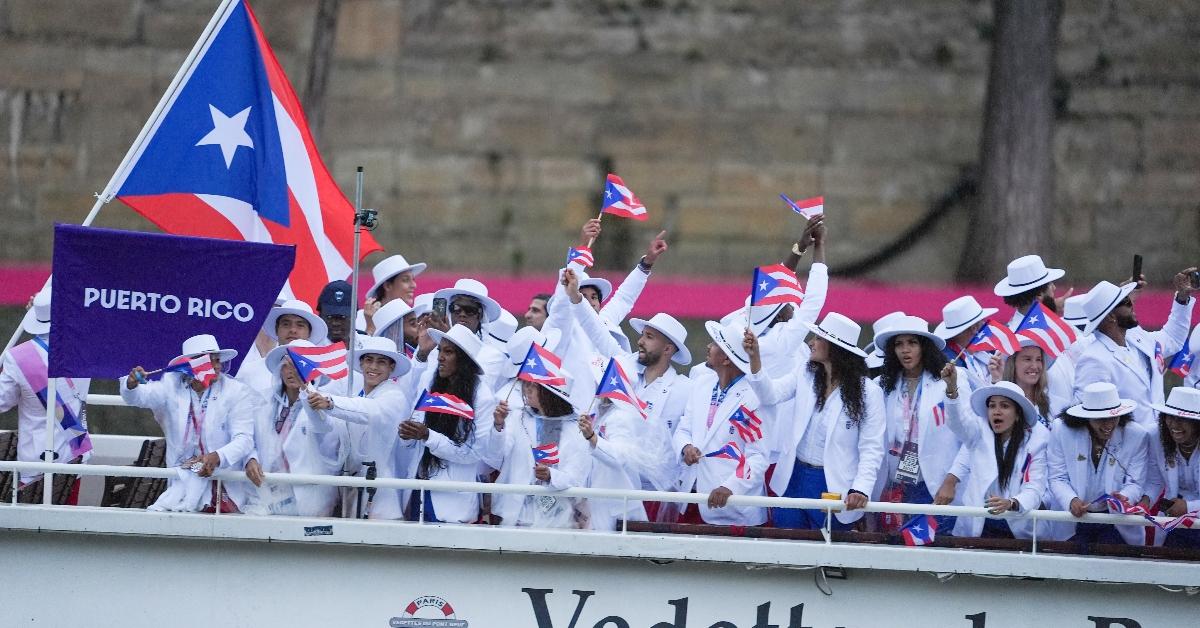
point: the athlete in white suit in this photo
(1174, 467)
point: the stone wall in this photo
(486, 127)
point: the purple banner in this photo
(123, 298)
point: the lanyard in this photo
(194, 422)
(718, 397)
(912, 407)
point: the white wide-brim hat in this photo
(602, 285)
(577, 392)
(729, 339)
(1073, 313)
(389, 313)
(462, 338)
(318, 330)
(1101, 401)
(959, 314)
(384, 347)
(980, 396)
(37, 319)
(501, 329)
(518, 345)
(875, 352)
(203, 343)
(839, 331)
(1102, 299)
(1183, 402)
(422, 304)
(907, 325)
(1025, 274)
(474, 289)
(390, 267)
(672, 329)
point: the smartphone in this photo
(1137, 268)
(1195, 277)
(439, 308)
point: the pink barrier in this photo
(683, 297)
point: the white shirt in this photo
(811, 449)
(1188, 488)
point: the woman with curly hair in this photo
(451, 449)
(833, 442)
(1174, 466)
(920, 446)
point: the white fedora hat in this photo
(980, 396)
(386, 348)
(462, 338)
(1026, 273)
(840, 331)
(1073, 312)
(37, 319)
(736, 317)
(910, 325)
(1101, 401)
(201, 344)
(960, 314)
(474, 289)
(422, 304)
(729, 339)
(1102, 299)
(1183, 402)
(672, 329)
(318, 330)
(500, 330)
(577, 392)
(602, 285)
(390, 267)
(389, 313)
(518, 345)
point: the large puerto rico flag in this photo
(229, 155)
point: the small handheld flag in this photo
(617, 386)
(620, 200)
(995, 337)
(1181, 363)
(808, 207)
(546, 454)
(582, 255)
(731, 451)
(1047, 330)
(775, 284)
(541, 366)
(313, 362)
(939, 414)
(748, 425)
(199, 367)
(444, 403)
(920, 530)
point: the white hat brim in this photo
(32, 325)
(599, 283)
(717, 334)
(1093, 323)
(946, 333)
(318, 330)
(682, 355)
(416, 269)
(1125, 407)
(816, 329)
(980, 397)
(226, 355)
(1006, 289)
(438, 336)
(491, 309)
(1175, 412)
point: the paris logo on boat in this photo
(428, 611)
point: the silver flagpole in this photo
(139, 143)
(353, 335)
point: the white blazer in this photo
(938, 443)
(853, 452)
(619, 459)
(511, 451)
(313, 446)
(979, 453)
(709, 473)
(462, 460)
(1141, 381)
(228, 426)
(31, 412)
(369, 424)
(1163, 479)
(1069, 456)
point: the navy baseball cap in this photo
(335, 299)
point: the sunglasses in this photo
(464, 310)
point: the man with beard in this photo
(1029, 280)
(661, 341)
(1127, 355)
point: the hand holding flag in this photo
(199, 367)
(808, 207)
(620, 200)
(731, 451)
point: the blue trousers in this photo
(806, 481)
(1087, 534)
(413, 512)
(916, 493)
(1182, 537)
(995, 529)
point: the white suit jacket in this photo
(369, 424)
(1142, 380)
(710, 473)
(1163, 479)
(619, 460)
(938, 443)
(1068, 457)
(853, 452)
(313, 446)
(228, 427)
(979, 451)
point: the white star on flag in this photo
(762, 286)
(228, 132)
(1033, 319)
(532, 362)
